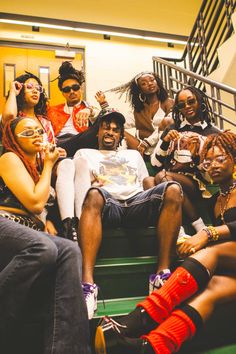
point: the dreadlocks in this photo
(10, 144)
(67, 71)
(40, 107)
(133, 91)
(204, 110)
(225, 141)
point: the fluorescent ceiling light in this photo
(95, 31)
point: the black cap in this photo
(111, 113)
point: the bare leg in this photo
(90, 229)
(148, 183)
(167, 232)
(189, 188)
(220, 289)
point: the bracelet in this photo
(212, 233)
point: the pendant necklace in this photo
(226, 194)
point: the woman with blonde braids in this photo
(24, 180)
(174, 313)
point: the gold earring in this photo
(234, 173)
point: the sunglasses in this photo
(31, 87)
(31, 133)
(189, 102)
(67, 89)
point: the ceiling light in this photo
(165, 39)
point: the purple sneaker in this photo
(157, 280)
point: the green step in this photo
(116, 307)
(124, 277)
(230, 349)
(128, 242)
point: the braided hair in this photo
(204, 111)
(67, 71)
(133, 91)
(10, 144)
(41, 107)
(225, 141)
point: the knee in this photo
(66, 165)
(94, 199)
(174, 194)
(80, 163)
(46, 251)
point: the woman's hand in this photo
(62, 152)
(193, 244)
(141, 148)
(171, 135)
(16, 87)
(50, 228)
(51, 154)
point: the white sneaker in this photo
(156, 281)
(90, 294)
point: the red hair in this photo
(10, 144)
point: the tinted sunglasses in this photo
(30, 133)
(189, 102)
(31, 87)
(67, 89)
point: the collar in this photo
(67, 109)
(198, 124)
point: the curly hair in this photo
(225, 141)
(41, 107)
(10, 144)
(133, 91)
(67, 71)
(204, 111)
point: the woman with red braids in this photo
(173, 314)
(24, 180)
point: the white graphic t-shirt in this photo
(121, 173)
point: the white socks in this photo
(82, 183)
(198, 224)
(65, 188)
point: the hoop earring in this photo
(234, 173)
(204, 107)
(142, 98)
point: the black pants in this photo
(87, 139)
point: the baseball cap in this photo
(111, 113)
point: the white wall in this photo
(109, 63)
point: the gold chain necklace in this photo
(224, 208)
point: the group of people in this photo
(76, 150)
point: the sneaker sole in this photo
(100, 343)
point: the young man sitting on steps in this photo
(116, 198)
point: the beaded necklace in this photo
(225, 194)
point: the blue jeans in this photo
(143, 209)
(27, 257)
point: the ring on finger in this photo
(192, 250)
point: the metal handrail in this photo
(211, 28)
(222, 98)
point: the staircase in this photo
(126, 258)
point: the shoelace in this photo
(110, 323)
(165, 276)
(87, 290)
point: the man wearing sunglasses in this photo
(73, 121)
